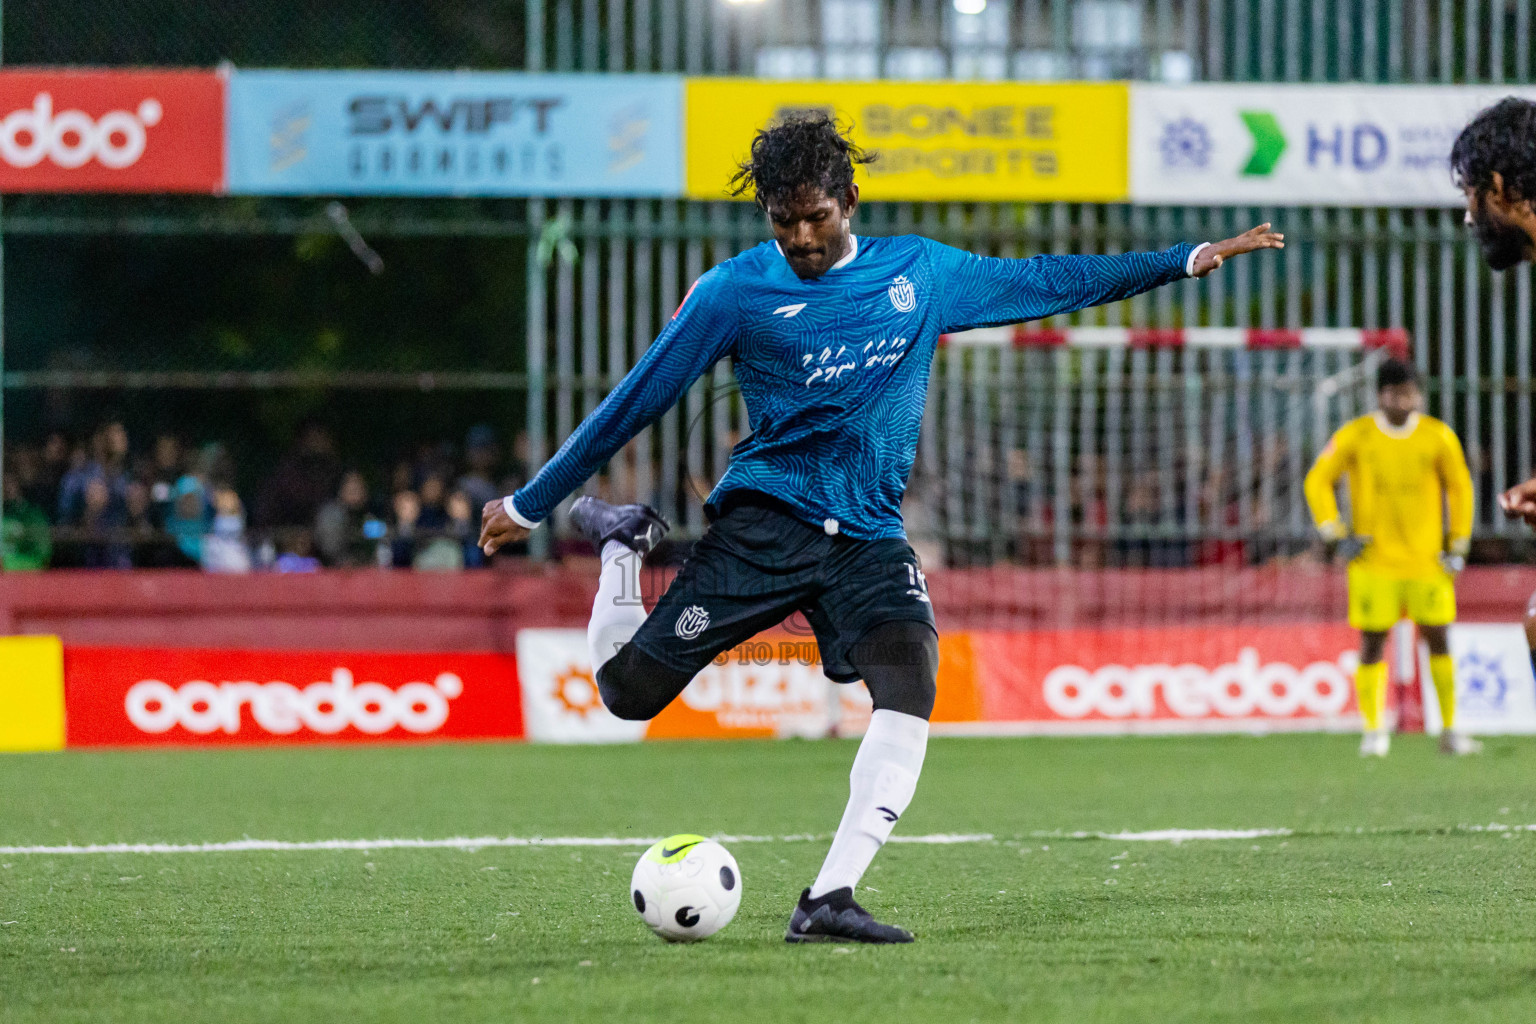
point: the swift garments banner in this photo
(936, 140)
(151, 697)
(111, 131)
(454, 133)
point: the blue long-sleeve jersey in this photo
(834, 371)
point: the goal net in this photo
(1095, 448)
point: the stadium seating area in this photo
(108, 500)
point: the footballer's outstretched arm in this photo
(984, 291)
(700, 333)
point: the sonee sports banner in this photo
(936, 140)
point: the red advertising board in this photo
(1168, 679)
(111, 131)
(120, 696)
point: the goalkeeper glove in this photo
(1337, 540)
(1454, 558)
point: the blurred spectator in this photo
(346, 530)
(481, 454)
(434, 513)
(464, 527)
(106, 462)
(146, 541)
(164, 470)
(102, 520)
(25, 538)
(295, 551)
(224, 547)
(189, 517)
(407, 507)
(303, 480)
(42, 489)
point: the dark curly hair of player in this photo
(1503, 139)
(807, 151)
(1393, 372)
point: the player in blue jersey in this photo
(831, 337)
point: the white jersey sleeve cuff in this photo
(1189, 264)
(517, 517)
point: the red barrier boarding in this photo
(383, 610)
(146, 696)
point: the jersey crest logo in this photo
(789, 311)
(903, 295)
(692, 622)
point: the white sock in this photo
(616, 611)
(881, 785)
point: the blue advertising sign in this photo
(454, 134)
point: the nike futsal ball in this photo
(686, 888)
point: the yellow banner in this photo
(31, 693)
(937, 140)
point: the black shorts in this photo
(757, 565)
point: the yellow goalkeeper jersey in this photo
(1402, 483)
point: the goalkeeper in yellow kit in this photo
(1411, 501)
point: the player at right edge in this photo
(1411, 523)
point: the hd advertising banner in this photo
(1495, 690)
(174, 697)
(1325, 145)
(454, 134)
(111, 131)
(936, 140)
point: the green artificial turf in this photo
(1380, 905)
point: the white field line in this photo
(456, 843)
(1167, 835)
(1184, 835)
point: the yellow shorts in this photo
(1378, 600)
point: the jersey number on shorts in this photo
(917, 583)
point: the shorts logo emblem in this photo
(903, 295)
(692, 622)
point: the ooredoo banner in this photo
(111, 131)
(146, 696)
(1324, 145)
(1168, 679)
(454, 133)
(935, 140)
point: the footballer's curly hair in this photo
(1503, 139)
(800, 152)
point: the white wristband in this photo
(1189, 264)
(517, 517)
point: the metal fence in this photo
(603, 276)
(1210, 40)
(600, 300)
(1214, 40)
